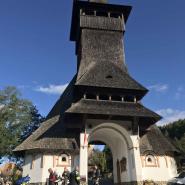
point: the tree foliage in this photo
(16, 115)
(176, 132)
(103, 159)
(36, 120)
(109, 159)
(98, 158)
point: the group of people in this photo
(71, 178)
(66, 178)
(96, 175)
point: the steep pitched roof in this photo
(64, 101)
(154, 140)
(108, 75)
(46, 138)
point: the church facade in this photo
(101, 104)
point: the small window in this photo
(129, 98)
(150, 160)
(116, 98)
(89, 12)
(109, 77)
(64, 159)
(116, 15)
(104, 97)
(91, 96)
(103, 14)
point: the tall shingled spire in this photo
(98, 29)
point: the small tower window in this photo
(150, 160)
(91, 96)
(129, 98)
(109, 77)
(116, 15)
(89, 12)
(100, 13)
(64, 159)
(116, 98)
(104, 97)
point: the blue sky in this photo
(37, 57)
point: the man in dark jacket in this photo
(75, 177)
(65, 176)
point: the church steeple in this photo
(102, 88)
(97, 28)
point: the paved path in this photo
(103, 182)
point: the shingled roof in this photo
(108, 75)
(64, 101)
(154, 140)
(101, 107)
(47, 137)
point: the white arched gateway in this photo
(124, 148)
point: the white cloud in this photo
(23, 87)
(180, 93)
(159, 87)
(52, 89)
(170, 115)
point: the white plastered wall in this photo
(35, 172)
(40, 165)
(165, 170)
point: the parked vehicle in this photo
(180, 179)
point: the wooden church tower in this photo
(102, 104)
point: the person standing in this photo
(96, 175)
(75, 177)
(65, 176)
(52, 177)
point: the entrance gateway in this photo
(102, 103)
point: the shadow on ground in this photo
(103, 182)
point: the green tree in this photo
(36, 120)
(16, 114)
(109, 160)
(98, 158)
(176, 132)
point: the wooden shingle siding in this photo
(102, 23)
